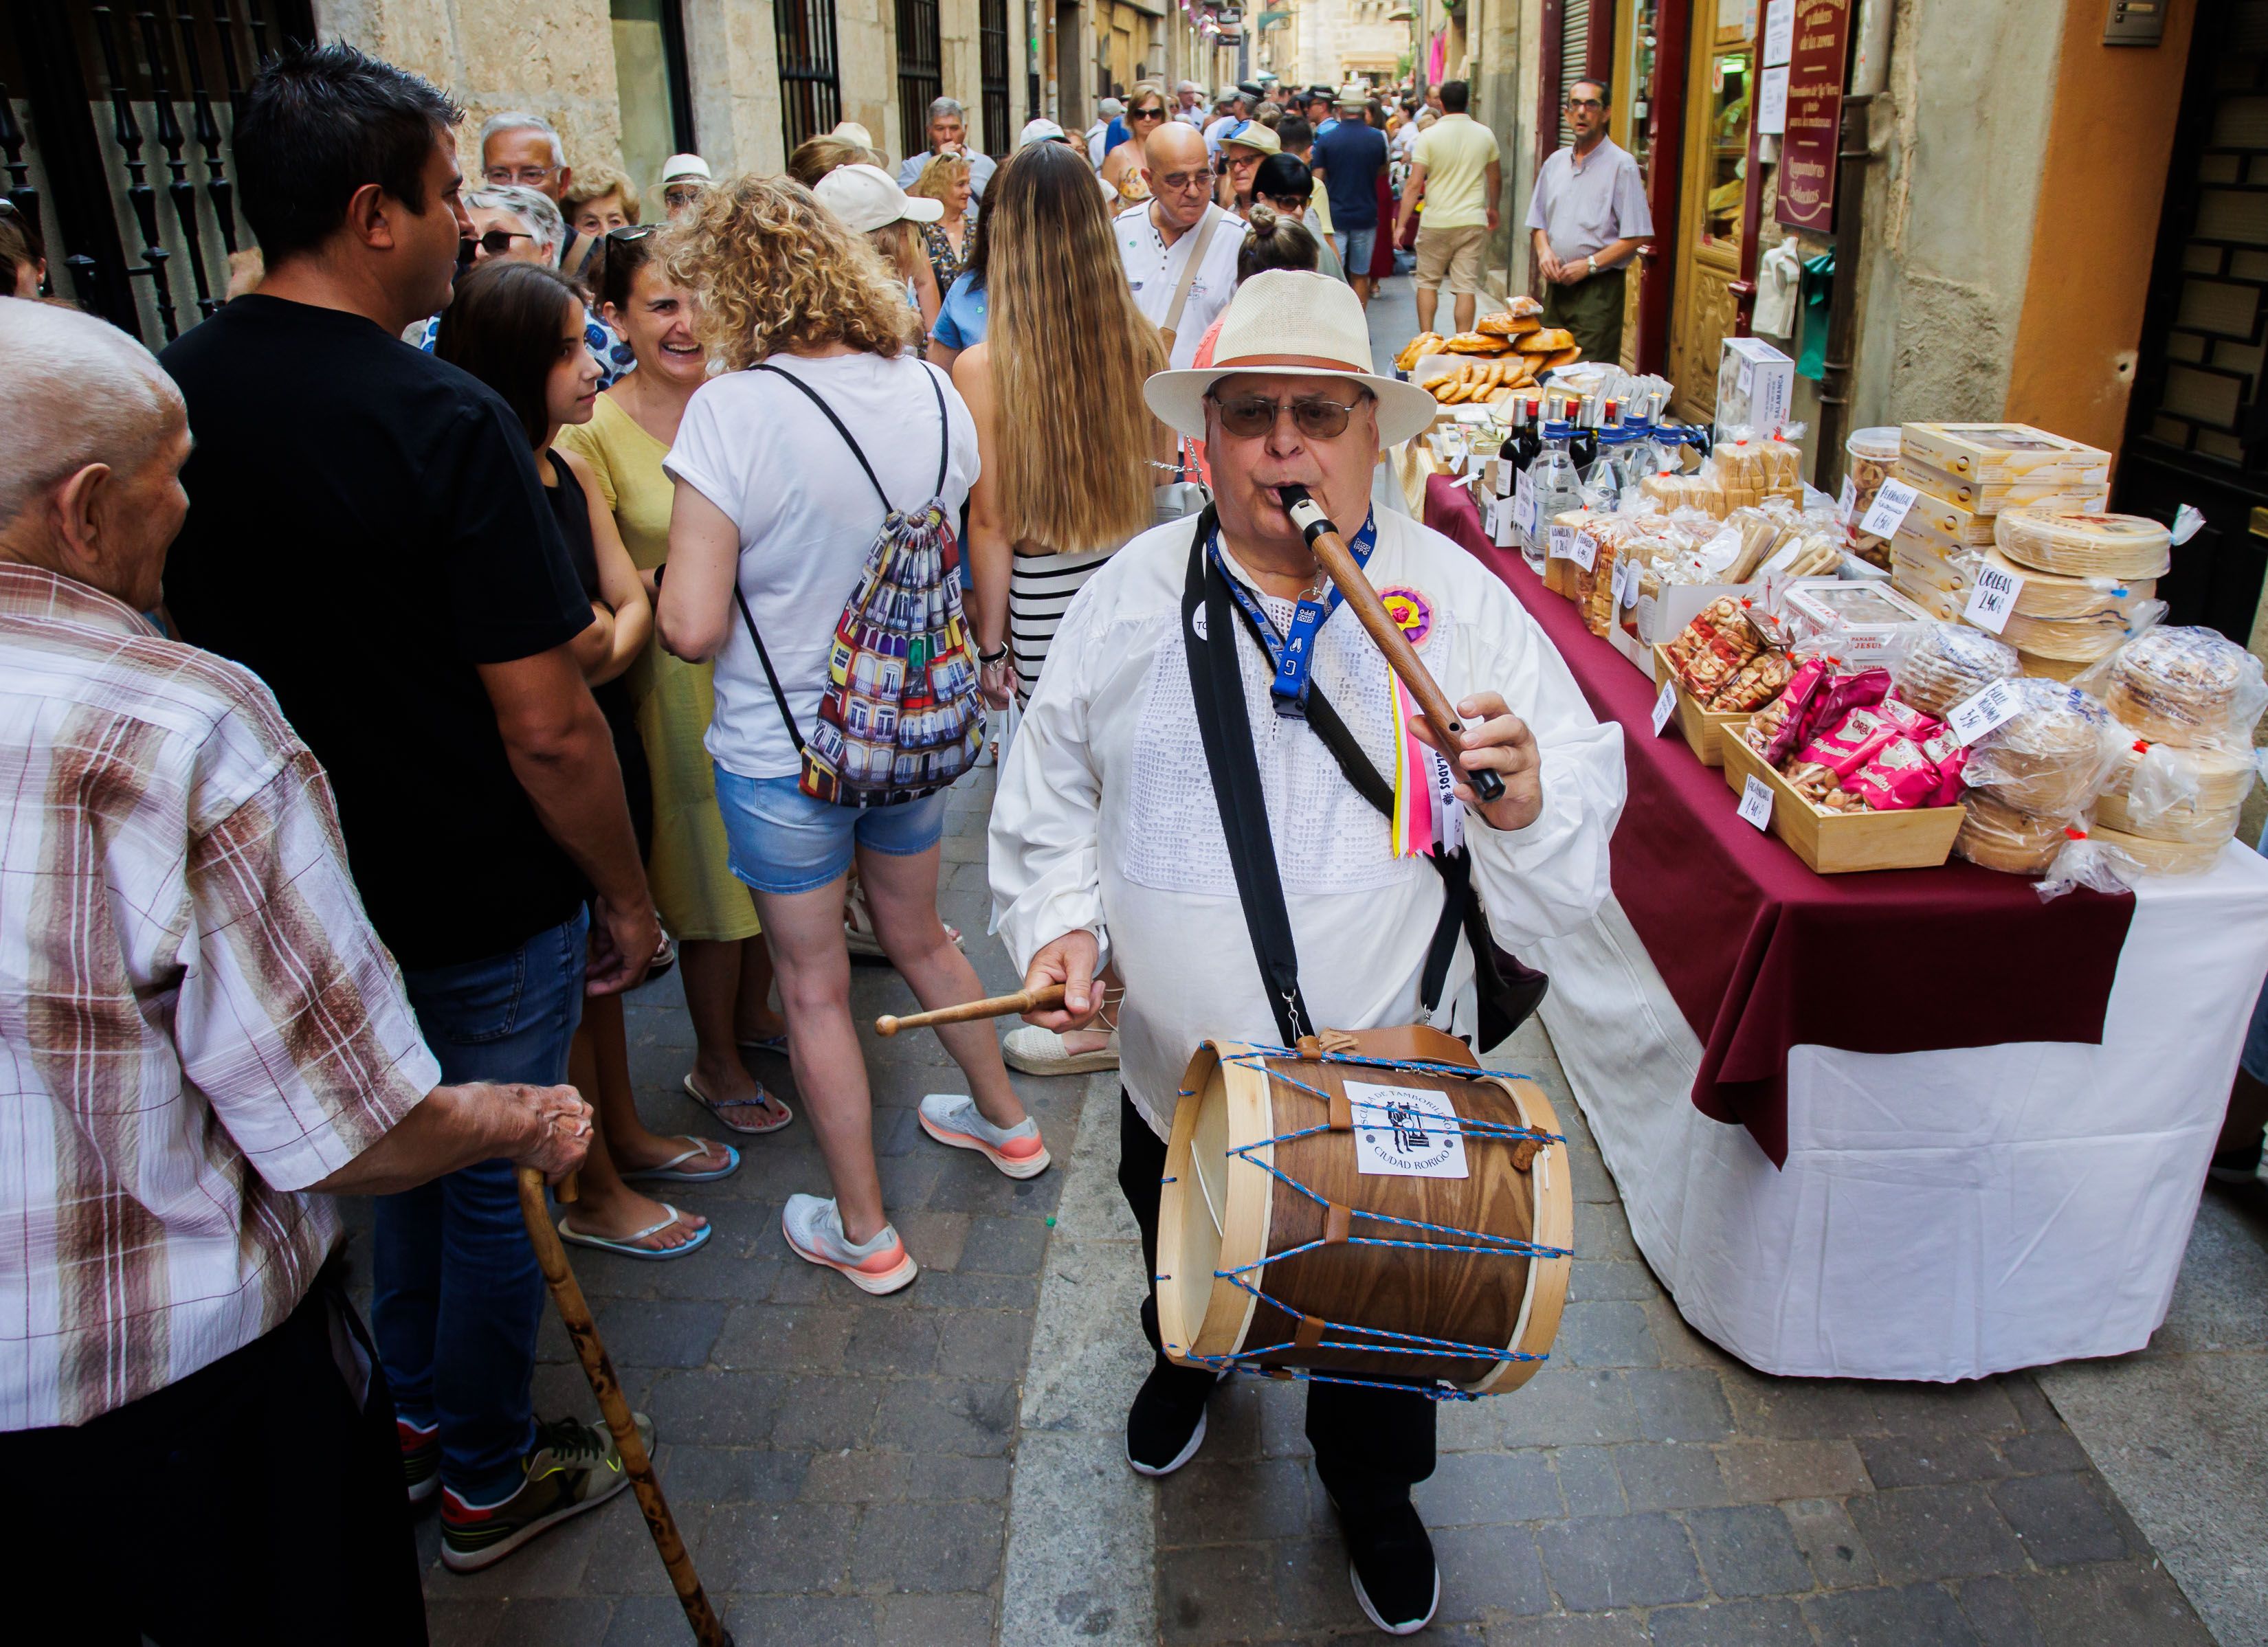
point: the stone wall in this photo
(556, 60)
(1335, 34)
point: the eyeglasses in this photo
(526, 176)
(496, 242)
(1249, 417)
(1584, 102)
(1184, 182)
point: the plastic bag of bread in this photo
(1996, 836)
(2157, 856)
(2088, 858)
(1755, 684)
(1783, 462)
(1943, 665)
(2052, 756)
(2190, 688)
(2155, 782)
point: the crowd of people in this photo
(392, 710)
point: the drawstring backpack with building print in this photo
(901, 717)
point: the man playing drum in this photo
(1107, 836)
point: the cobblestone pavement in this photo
(944, 1467)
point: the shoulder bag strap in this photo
(1204, 232)
(1455, 868)
(1218, 690)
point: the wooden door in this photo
(1709, 216)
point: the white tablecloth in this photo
(1942, 1215)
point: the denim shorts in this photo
(780, 841)
(1355, 246)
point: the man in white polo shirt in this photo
(1179, 249)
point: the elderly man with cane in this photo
(202, 1041)
(1133, 805)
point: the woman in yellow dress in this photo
(728, 970)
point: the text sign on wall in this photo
(1814, 116)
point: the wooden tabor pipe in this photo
(551, 1256)
(1333, 555)
(992, 1006)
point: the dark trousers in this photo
(1592, 311)
(250, 1504)
(1371, 1445)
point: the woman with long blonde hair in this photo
(1056, 389)
(822, 424)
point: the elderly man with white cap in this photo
(1108, 844)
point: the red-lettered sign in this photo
(1814, 116)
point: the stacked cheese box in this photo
(2026, 504)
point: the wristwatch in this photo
(1590, 267)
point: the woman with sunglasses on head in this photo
(1056, 390)
(727, 971)
(518, 327)
(1122, 167)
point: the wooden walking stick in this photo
(1333, 555)
(992, 1006)
(551, 1254)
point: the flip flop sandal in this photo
(769, 1043)
(669, 1169)
(627, 1245)
(717, 1108)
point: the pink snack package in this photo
(1795, 698)
(1852, 743)
(1897, 778)
(1842, 693)
(1912, 721)
(1948, 755)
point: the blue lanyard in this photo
(1293, 653)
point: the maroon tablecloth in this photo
(1761, 954)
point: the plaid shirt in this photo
(196, 1020)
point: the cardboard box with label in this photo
(1756, 385)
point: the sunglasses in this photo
(496, 242)
(1145, 113)
(1249, 417)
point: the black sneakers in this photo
(1167, 1424)
(1390, 1561)
(2237, 1166)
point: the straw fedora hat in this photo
(1289, 322)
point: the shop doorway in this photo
(1706, 306)
(2196, 426)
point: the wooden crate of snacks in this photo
(1705, 730)
(1838, 843)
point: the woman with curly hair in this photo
(775, 512)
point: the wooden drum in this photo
(1375, 1207)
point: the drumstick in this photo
(1333, 555)
(993, 1006)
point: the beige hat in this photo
(852, 131)
(1253, 135)
(1291, 322)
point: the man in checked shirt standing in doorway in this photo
(201, 1041)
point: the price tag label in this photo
(1523, 513)
(1626, 584)
(1846, 505)
(1665, 706)
(1563, 543)
(1748, 380)
(1583, 551)
(1889, 508)
(1994, 598)
(1975, 717)
(1505, 474)
(1499, 527)
(1756, 802)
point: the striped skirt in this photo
(1040, 591)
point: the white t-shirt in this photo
(1154, 270)
(759, 451)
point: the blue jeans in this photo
(457, 1296)
(780, 841)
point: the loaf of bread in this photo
(2076, 545)
(1503, 324)
(1477, 343)
(1947, 664)
(1545, 339)
(2179, 686)
(1998, 836)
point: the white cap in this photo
(677, 167)
(852, 131)
(1040, 130)
(868, 198)
(1110, 108)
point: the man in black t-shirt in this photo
(367, 531)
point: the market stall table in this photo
(1970, 1129)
